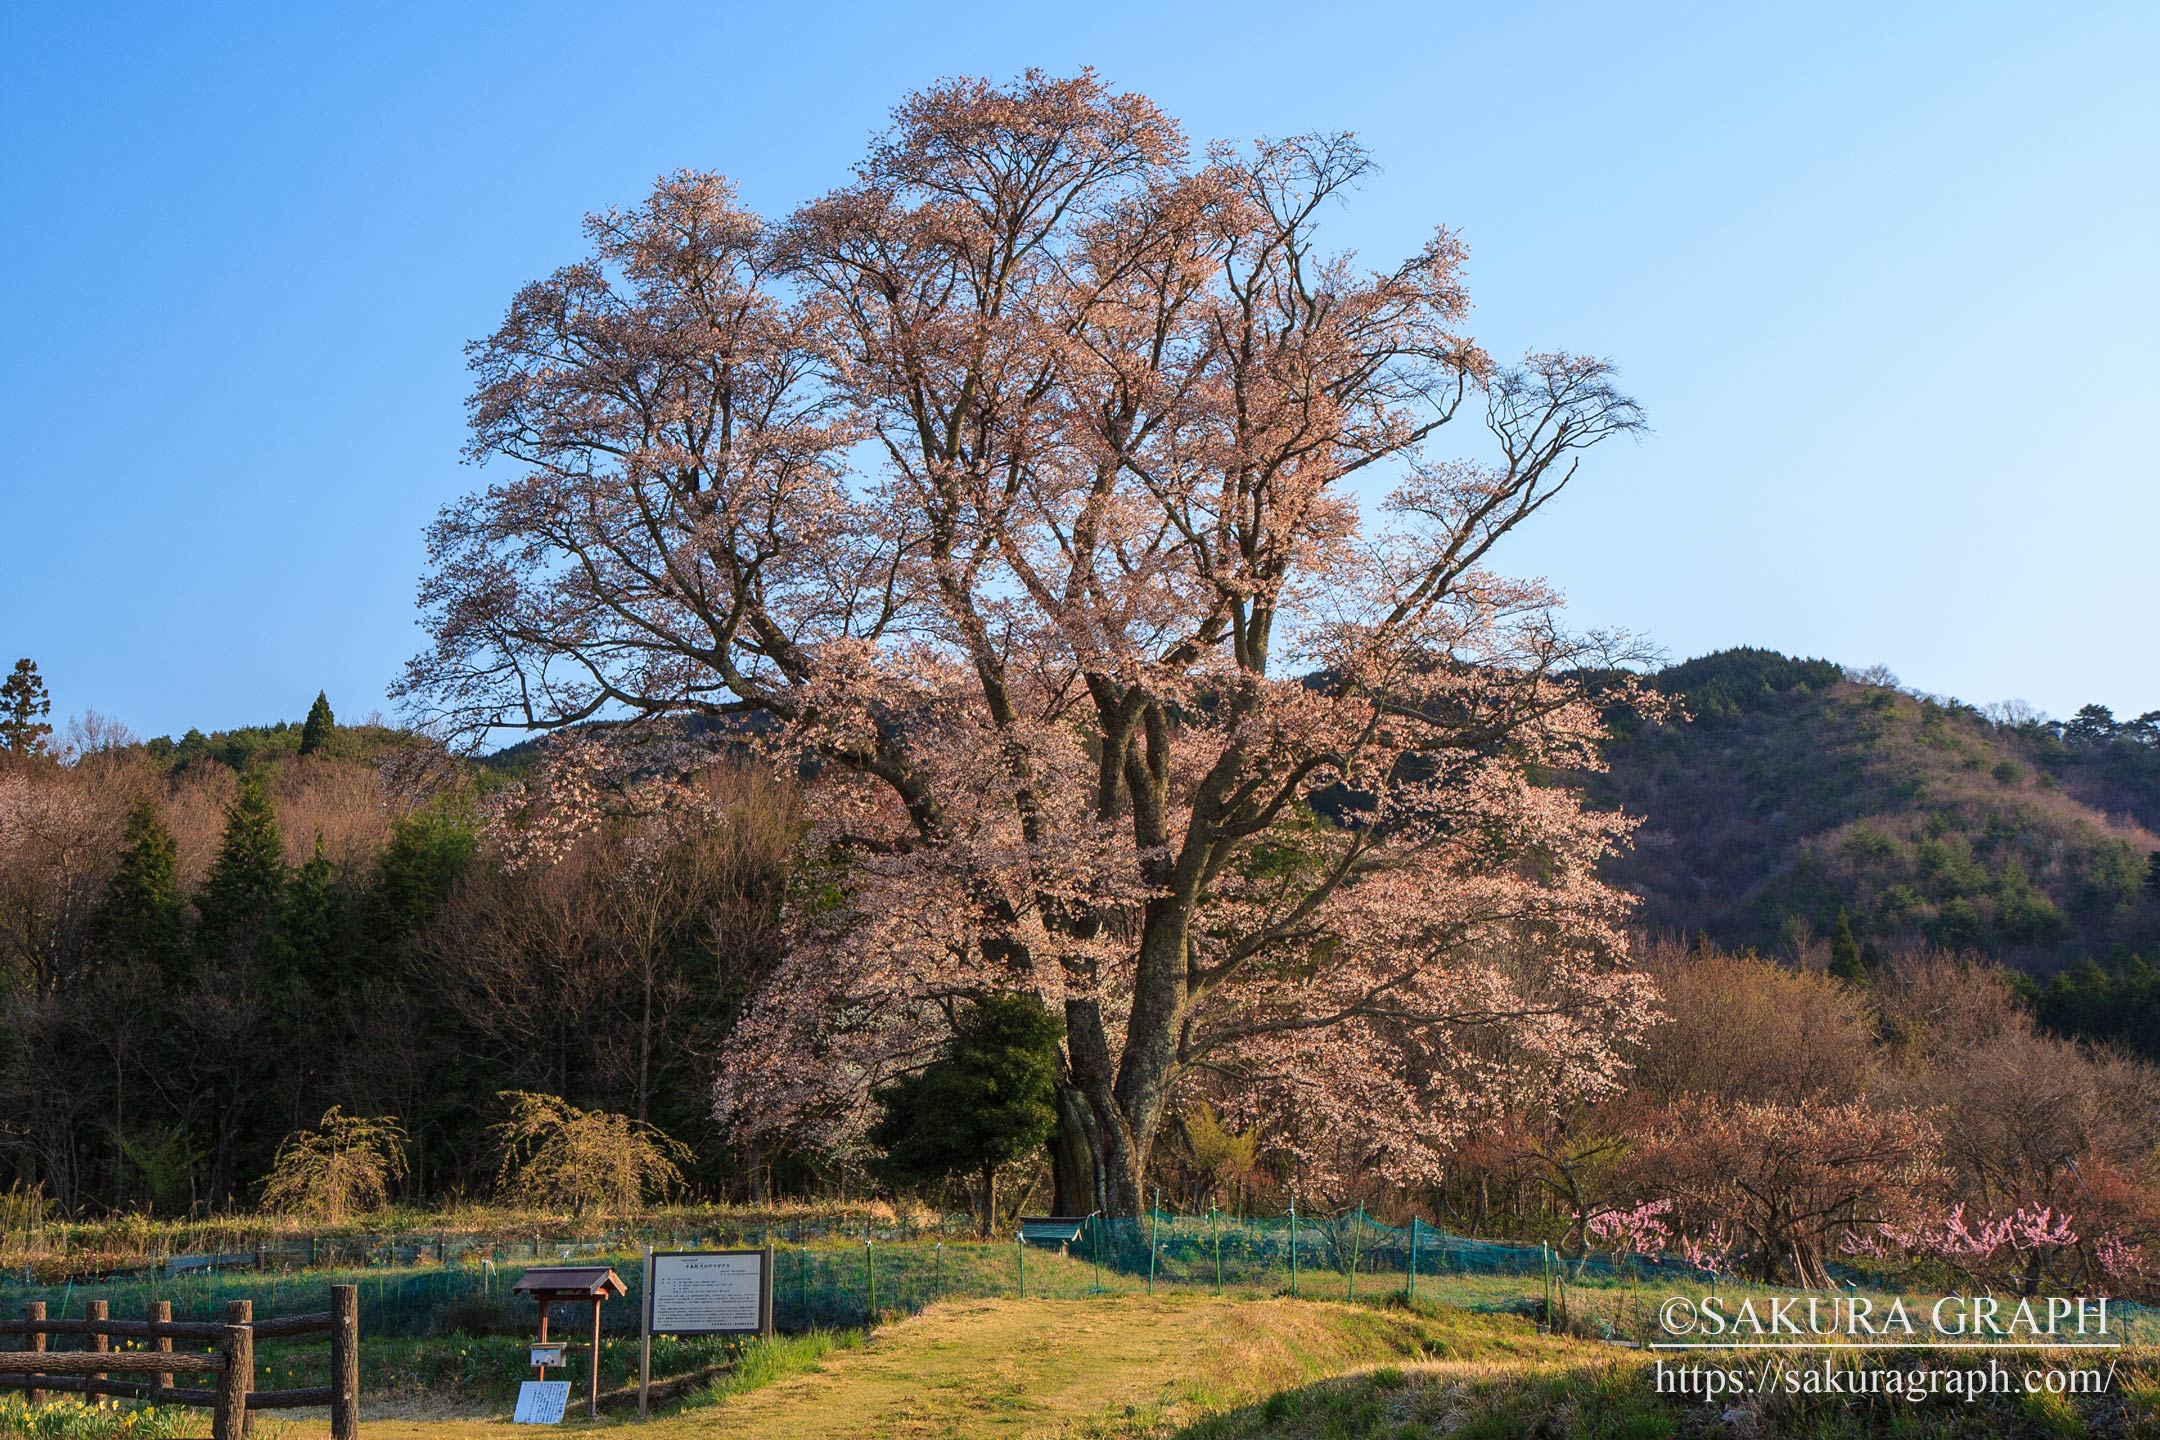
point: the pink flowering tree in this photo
(1632, 1230)
(1652, 1230)
(1079, 525)
(2029, 1247)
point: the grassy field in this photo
(1198, 1368)
(951, 1349)
(840, 1284)
(1190, 1367)
(1127, 1365)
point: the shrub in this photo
(558, 1157)
(344, 1166)
(2108, 874)
(1898, 902)
(1958, 925)
(1867, 843)
(1950, 869)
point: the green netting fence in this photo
(829, 1276)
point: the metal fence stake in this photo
(1154, 1220)
(1293, 1247)
(1356, 1232)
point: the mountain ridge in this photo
(1791, 791)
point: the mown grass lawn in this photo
(1115, 1366)
(1188, 1367)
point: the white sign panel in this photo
(541, 1402)
(709, 1292)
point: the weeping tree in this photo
(557, 1156)
(344, 1165)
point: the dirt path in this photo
(1006, 1368)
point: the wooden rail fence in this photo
(227, 1371)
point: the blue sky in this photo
(1883, 276)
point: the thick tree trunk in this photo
(1073, 1166)
(1148, 1065)
(1123, 1164)
(1120, 1157)
(1095, 1159)
(989, 1199)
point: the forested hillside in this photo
(208, 941)
(1788, 795)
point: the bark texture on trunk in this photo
(1073, 1165)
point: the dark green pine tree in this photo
(243, 897)
(428, 852)
(1845, 961)
(988, 1101)
(320, 726)
(2152, 875)
(308, 930)
(238, 1083)
(23, 706)
(142, 919)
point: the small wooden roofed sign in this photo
(568, 1284)
(564, 1282)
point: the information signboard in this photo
(709, 1292)
(542, 1402)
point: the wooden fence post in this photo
(34, 1311)
(229, 1420)
(344, 1362)
(242, 1313)
(96, 1312)
(160, 1313)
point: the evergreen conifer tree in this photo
(990, 1100)
(414, 875)
(1845, 961)
(243, 895)
(141, 919)
(23, 706)
(308, 928)
(320, 725)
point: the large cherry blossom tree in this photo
(1076, 523)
